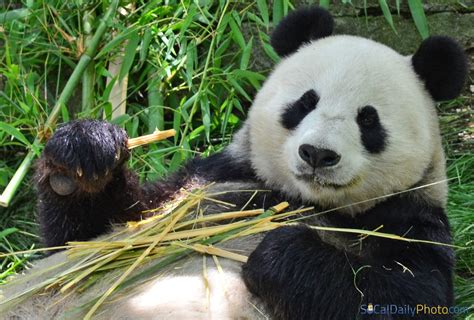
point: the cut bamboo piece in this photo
(149, 138)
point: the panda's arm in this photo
(298, 276)
(84, 185)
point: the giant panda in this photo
(342, 123)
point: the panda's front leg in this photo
(82, 182)
(287, 271)
(298, 276)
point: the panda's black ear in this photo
(299, 27)
(442, 65)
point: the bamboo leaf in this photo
(237, 34)
(64, 113)
(129, 55)
(13, 15)
(14, 132)
(190, 54)
(115, 42)
(254, 18)
(254, 78)
(270, 52)
(188, 20)
(147, 36)
(324, 4)
(387, 14)
(244, 60)
(278, 11)
(206, 116)
(177, 159)
(419, 17)
(238, 87)
(228, 107)
(221, 50)
(7, 232)
(263, 8)
(121, 119)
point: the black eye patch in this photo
(299, 109)
(373, 134)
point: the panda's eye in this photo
(308, 100)
(372, 132)
(298, 110)
(368, 117)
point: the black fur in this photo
(300, 27)
(299, 276)
(442, 64)
(372, 133)
(221, 167)
(299, 109)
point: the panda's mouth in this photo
(321, 182)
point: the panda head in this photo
(343, 119)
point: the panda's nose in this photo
(318, 158)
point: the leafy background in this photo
(193, 66)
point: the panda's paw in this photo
(83, 155)
(277, 259)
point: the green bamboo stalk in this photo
(10, 190)
(89, 74)
(50, 122)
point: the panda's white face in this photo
(342, 120)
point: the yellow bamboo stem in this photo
(149, 138)
(215, 251)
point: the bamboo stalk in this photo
(149, 138)
(210, 250)
(89, 74)
(15, 181)
(71, 84)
